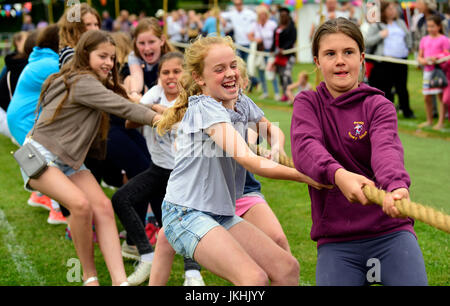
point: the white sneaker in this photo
(141, 274)
(277, 97)
(130, 252)
(264, 96)
(194, 281)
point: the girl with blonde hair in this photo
(198, 214)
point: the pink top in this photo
(434, 46)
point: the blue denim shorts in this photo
(52, 160)
(184, 226)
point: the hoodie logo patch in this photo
(357, 132)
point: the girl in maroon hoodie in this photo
(345, 134)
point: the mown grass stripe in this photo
(23, 265)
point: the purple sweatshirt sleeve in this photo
(307, 143)
(387, 152)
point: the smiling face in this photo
(169, 75)
(102, 60)
(220, 77)
(149, 46)
(339, 60)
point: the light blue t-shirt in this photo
(245, 111)
(21, 111)
(395, 43)
(204, 176)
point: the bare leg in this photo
(162, 261)
(262, 216)
(428, 112)
(57, 186)
(242, 262)
(105, 224)
(441, 109)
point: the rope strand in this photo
(425, 214)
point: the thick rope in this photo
(416, 211)
(407, 208)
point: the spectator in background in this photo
(427, 8)
(122, 23)
(175, 29)
(210, 24)
(107, 23)
(15, 62)
(262, 32)
(194, 25)
(241, 20)
(285, 36)
(28, 24)
(391, 38)
(330, 11)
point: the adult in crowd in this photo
(15, 62)
(262, 32)
(28, 24)
(285, 36)
(391, 37)
(241, 20)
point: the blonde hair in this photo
(194, 62)
(244, 79)
(70, 30)
(151, 24)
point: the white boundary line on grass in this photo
(23, 266)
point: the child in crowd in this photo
(345, 134)
(198, 210)
(42, 62)
(72, 104)
(70, 30)
(149, 45)
(431, 47)
(297, 87)
(130, 202)
(250, 203)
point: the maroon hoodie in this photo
(356, 131)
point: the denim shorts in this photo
(184, 226)
(52, 160)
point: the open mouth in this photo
(171, 85)
(230, 85)
(149, 55)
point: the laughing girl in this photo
(72, 102)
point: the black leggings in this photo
(130, 203)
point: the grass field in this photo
(33, 252)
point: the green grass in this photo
(47, 251)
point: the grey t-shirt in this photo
(244, 111)
(205, 177)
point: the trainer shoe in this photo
(130, 252)
(193, 281)
(42, 201)
(140, 274)
(56, 217)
